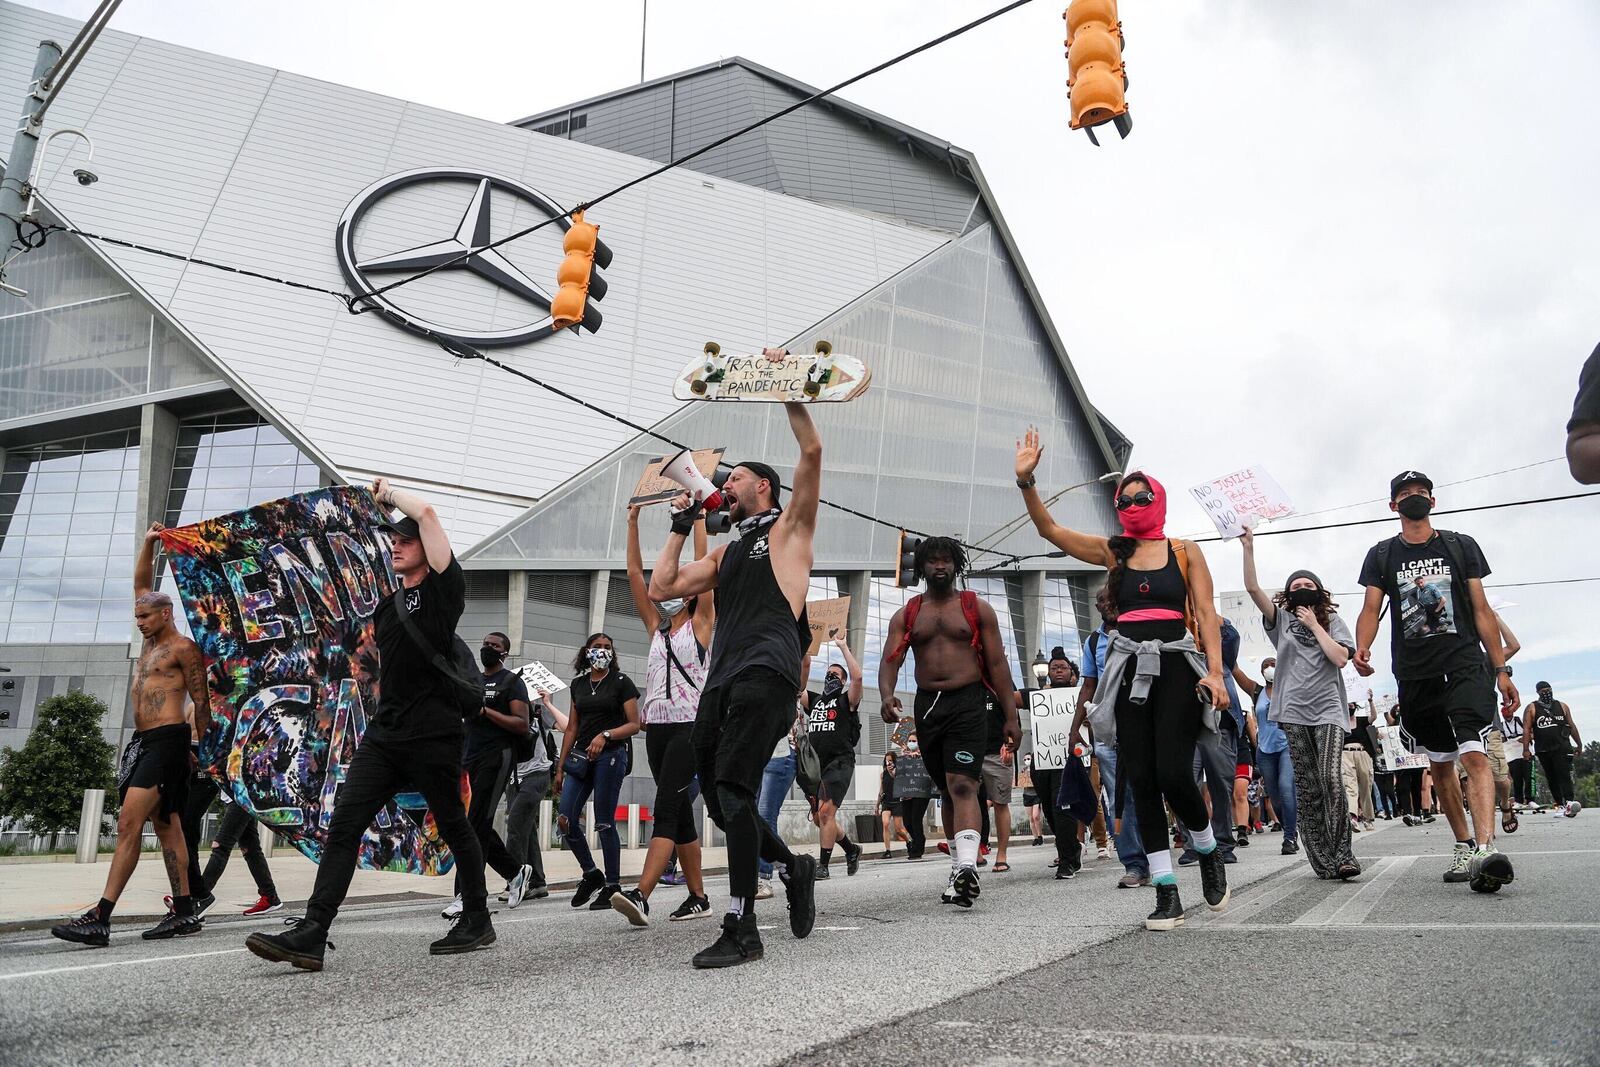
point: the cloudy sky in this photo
(1343, 240)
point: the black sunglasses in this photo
(1140, 499)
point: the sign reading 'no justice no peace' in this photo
(1242, 500)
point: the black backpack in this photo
(459, 667)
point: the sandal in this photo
(1001, 867)
(1508, 822)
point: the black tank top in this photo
(1550, 727)
(755, 626)
(1141, 590)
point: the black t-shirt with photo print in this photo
(414, 700)
(1432, 630)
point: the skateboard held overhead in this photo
(817, 378)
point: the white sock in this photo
(1204, 841)
(1160, 864)
(966, 848)
(736, 906)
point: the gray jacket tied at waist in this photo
(1145, 660)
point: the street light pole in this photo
(14, 190)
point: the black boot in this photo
(302, 946)
(740, 943)
(1214, 879)
(800, 880)
(1169, 910)
(472, 930)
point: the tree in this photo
(1586, 762)
(43, 781)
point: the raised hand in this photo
(1029, 452)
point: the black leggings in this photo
(670, 751)
(238, 828)
(1557, 767)
(1522, 780)
(914, 813)
(1155, 749)
(1409, 782)
(1062, 826)
(488, 788)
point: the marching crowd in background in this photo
(1163, 757)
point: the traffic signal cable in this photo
(352, 302)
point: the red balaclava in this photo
(1145, 523)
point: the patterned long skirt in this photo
(1317, 753)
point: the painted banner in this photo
(655, 487)
(1241, 500)
(537, 676)
(1050, 720)
(829, 619)
(280, 598)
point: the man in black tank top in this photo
(748, 700)
(1548, 724)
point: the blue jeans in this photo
(776, 781)
(1217, 755)
(604, 783)
(1130, 850)
(1277, 771)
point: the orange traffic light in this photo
(578, 276)
(1094, 66)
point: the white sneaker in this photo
(519, 886)
(764, 890)
(1102, 853)
(452, 909)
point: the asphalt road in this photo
(1397, 968)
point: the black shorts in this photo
(890, 806)
(158, 758)
(1448, 715)
(670, 750)
(837, 774)
(1029, 798)
(736, 729)
(953, 730)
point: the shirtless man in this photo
(956, 677)
(153, 779)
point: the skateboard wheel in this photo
(824, 348)
(713, 349)
(813, 389)
(697, 388)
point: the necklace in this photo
(594, 686)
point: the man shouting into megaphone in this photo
(748, 699)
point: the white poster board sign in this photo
(1050, 722)
(537, 676)
(1356, 688)
(1241, 500)
(1393, 754)
(1254, 645)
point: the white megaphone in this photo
(681, 469)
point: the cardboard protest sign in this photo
(654, 487)
(1393, 755)
(536, 676)
(281, 598)
(1241, 500)
(829, 619)
(1050, 722)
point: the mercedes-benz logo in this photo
(472, 236)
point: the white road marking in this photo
(1255, 902)
(1343, 894)
(119, 963)
(1358, 907)
(1483, 927)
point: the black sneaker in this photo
(174, 925)
(473, 930)
(739, 942)
(303, 945)
(966, 887)
(1291, 847)
(201, 902)
(1188, 858)
(693, 908)
(1169, 910)
(1038, 841)
(87, 929)
(822, 871)
(800, 883)
(602, 902)
(852, 860)
(1241, 836)
(632, 905)
(1490, 869)
(588, 886)
(1065, 872)
(1214, 879)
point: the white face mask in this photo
(1267, 673)
(670, 608)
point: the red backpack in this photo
(969, 610)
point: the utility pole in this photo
(25, 141)
(644, 23)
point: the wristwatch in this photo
(1028, 484)
(606, 734)
(1504, 668)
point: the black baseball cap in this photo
(1405, 478)
(404, 526)
(762, 470)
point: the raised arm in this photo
(1508, 640)
(1088, 547)
(852, 668)
(642, 605)
(801, 512)
(1367, 629)
(889, 669)
(1208, 622)
(435, 542)
(144, 567)
(1252, 585)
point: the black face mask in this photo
(831, 687)
(490, 657)
(1415, 507)
(1304, 598)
